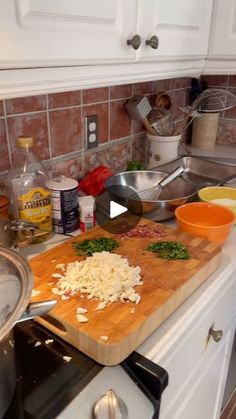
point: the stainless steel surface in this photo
(37, 309)
(200, 171)
(216, 100)
(10, 230)
(134, 42)
(110, 406)
(227, 179)
(138, 107)
(16, 282)
(122, 186)
(153, 42)
(153, 193)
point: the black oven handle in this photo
(149, 377)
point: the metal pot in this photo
(16, 282)
(122, 186)
(17, 233)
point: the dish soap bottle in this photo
(31, 197)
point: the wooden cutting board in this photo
(166, 284)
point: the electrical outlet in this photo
(91, 131)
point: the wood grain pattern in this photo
(166, 284)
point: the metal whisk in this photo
(152, 193)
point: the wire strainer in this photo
(216, 100)
(210, 100)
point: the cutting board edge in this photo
(144, 330)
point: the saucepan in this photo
(121, 188)
(16, 282)
(16, 233)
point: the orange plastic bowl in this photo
(211, 221)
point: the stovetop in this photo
(46, 382)
(52, 376)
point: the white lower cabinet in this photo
(198, 361)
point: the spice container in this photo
(87, 213)
(64, 196)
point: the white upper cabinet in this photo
(67, 32)
(77, 32)
(51, 46)
(222, 45)
(181, 26)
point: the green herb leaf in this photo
(170, 250)
(88, 247)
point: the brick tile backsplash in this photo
(26, 104)
(32, 124)
(56, 121)
(65, 130)
(4, 159)
(1, 108)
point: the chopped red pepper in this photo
(94, 182)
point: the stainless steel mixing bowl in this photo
(122, 186)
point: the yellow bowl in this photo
(210, 221)
(222, 195)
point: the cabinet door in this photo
(181, 26)
(67, 32)
(223, 32)
(203, 394)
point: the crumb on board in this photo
(81, 318)
(35, 292)
(60, 266)
(104, 338)
(81, 310)
(38, 343)
(56, 275)
(65, 297)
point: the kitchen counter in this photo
(225, 153)
(180, 343)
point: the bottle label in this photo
(35, 206)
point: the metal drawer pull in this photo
(215, 334)
(153, 42)
(135, 42)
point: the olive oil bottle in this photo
(30, 197)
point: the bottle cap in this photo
(24, 141)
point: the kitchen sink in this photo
(201, 171)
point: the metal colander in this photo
(216, 100)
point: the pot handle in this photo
(37, 309)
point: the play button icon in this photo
(114, 215)
(116, 209)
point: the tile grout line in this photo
(82, 133)
(7, 132)
(232, 411)
(48, 128)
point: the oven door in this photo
(136, 384)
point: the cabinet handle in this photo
(135, 42)
(153, 42)
(215, 334)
